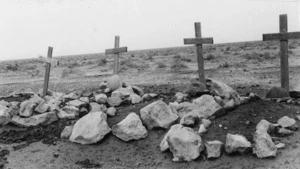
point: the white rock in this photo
(84, 99)
(135, 98)
(158, 114)
(180, 97)
(285, 132)
(265, 126)
(263, 145)
(26, 108)
(77, 103)
(230, 104)
(66, 133)
(286, 122)
(42, 107)
(189, 119)
(71, 110)
(164, 145)
(90, 129)
(202, 129)
(223, 90)
(206, 122)
(64, 115)
(280, 145)
(213, 148)
(101, 98)
(131, 128)
(183, 142)
(205, 106)
(4, 103)
(111, 111)
(114, 100)
(40, 119)
(95, 107)
(5, 116)
(219, 100)
(73, 95)
(114, 82)
(236, 143)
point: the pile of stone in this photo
(91, 111)
(55, 105)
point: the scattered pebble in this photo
(220, 125)
(247, 122)
(225, 128)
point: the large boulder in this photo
(158, 114)
(90, 129)
(277, 92)
(183, 142)
(263, 145)
(114, 82)
(213, 148)
(5, 116)
(77, 103)
(205, 106)
(236, 144)
(40, 119)
(131, 128)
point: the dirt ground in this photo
(247, 67)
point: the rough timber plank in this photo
(116, 50)
(193, 41)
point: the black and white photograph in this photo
(149, 84)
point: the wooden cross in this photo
(48, 61)
(198, 41)
(116, 51)
(283, 36)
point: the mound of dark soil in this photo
(244, 118)
(47, 134)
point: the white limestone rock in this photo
(40, 119)
(213, 148)
(101, 98)
(183, 142)
(5, 116)
(90, 129)
(236, 143)
(66, 133)
(263, 145)
(114, 82)
(111, 111)
(158, 114)
(131, 128)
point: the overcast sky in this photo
(28, 27)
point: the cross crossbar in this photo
(197, 41)
(51, 61)
(281, 36)
(116, 50)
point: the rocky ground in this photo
(42, 147)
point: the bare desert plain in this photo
(248, 67)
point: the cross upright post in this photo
(116, 51)
(48, 61)
(283, 36)
(198, 41)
